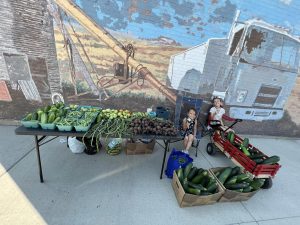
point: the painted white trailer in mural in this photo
(255, 69)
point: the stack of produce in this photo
(110, 122)
(233, 179)
(48, 114)
(197, 181)
(152, 126)
(251, 152)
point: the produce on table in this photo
(233, 179)
(256, 156)
(152, 126)
(197, 181)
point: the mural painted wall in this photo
(234, 49)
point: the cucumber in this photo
(258, 161)
(28, 117)
(235, 171)
(257, 156)
(57, 119)
(44, 118)
(271, 160)
(199, 171)
(247, 189)
(204, 182)
(241, 177)
(231, 180)
(51, 117)
(245, 150)
(246, 142)
(34, 116)
(257, 184)
(224, 175)
(197, 179)
(192, 173)
(197, 186)
(187, 169)
(193, 191)
(236, 186)
(217, 173)
(212, 187)
(205, 193)
(185, 184)
(230, 137)
(211, 181)
(180, 174)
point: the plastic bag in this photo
(114, 147)
(75, 146)
(177, 159)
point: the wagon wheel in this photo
(268, 183)
(210, 149)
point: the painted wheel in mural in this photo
(57, 97)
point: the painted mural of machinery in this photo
(122, 75)
(254, 69)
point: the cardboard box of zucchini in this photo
(197, 186)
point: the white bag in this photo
(75, 146)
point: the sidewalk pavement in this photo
(126, 190)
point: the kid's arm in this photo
(184, 124)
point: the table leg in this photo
(164, 159)
(37, 147)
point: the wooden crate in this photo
(187, 200)
(139, 148)
(229, 195)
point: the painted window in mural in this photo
(17, 67)
(271, 48)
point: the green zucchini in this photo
(230, 136)
(235, 171)
(192, 173)
(271, 160)
(247, 189)
(236, 186)
(199, 171)
(197, 179)
(258, 161)
(193, 191)
(205, 193)
(34, 116)
(28, 117)
(257, 156)
(224, 175)
(197, 186)
(212, 187)
(187, 169)
(246, 142)
(44, 118)
(185, 184)
(204, 182)
(211, 180)
(231, 180)
(257, 184)
(245, 150)
(241, 177)
(180, 174)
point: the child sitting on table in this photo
(189, 126)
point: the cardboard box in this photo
(229, 195)
(139, 147)
(186, 200)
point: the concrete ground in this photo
(126, 190)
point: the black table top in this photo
(21, 130)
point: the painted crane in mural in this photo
(121, 75)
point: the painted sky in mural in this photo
(188, 22)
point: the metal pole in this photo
(166, 142)
(37, 147)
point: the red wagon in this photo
(240, 159)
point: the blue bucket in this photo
(177, 159)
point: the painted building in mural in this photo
(28, 63)
(254, 69)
